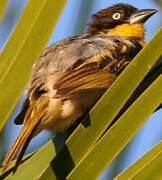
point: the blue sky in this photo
(150, 133)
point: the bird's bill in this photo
(140, 16)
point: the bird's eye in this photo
(116, 16)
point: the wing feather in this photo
(98, 71)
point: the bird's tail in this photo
(31, 122)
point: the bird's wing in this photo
(75, 52)
(100, 70)
(83, 62)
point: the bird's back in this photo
(74, 50)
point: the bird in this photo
(71, 75)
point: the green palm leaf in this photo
(39, 16)
(146, 162)
(119, 135)
(2, 7)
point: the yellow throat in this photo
(128, 30)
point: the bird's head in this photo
(122, 19)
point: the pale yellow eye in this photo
(116, 16)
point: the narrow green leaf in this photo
(37, 163)
(87, 133)
(152, 170)
(2, 7)
(3, 175)
(47, 174)
(26, 42)
(141, 163)
(149, 78)
(119, 135)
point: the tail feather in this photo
(32, 120)
(19, 159)
(21, 139)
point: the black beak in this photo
(140, 16)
